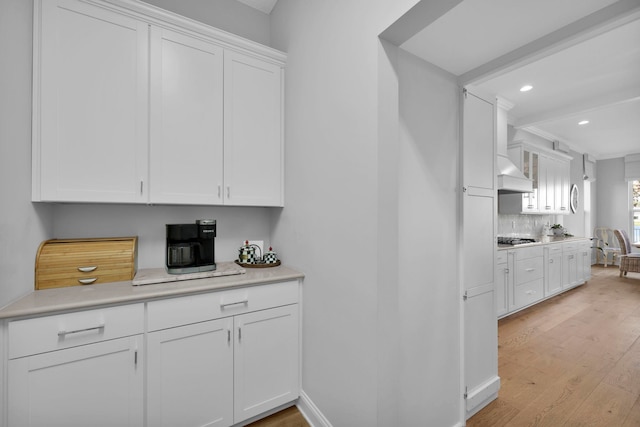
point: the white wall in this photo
(22, 225)
(613, 194)
(575, 222)
(370, 181)
(428, 288)
(228, 15)
(234, 225)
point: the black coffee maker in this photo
(190, 247)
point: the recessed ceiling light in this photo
(583, 122)
(526, 88)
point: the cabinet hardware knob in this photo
(88, 281)
(87, 269)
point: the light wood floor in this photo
(289, 417)
(573, 360)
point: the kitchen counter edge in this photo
(49, 301)
(546, 241)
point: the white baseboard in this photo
(311, 412)
(482, 395)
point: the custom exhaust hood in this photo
(510, 178)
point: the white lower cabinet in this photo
(77, 369)
(528, 283)
(211, 359)
(265, 360)
(527, 275)
(569, 265)
(191, 375)
(237, 359)
(553, 269)
(584, 261)
(504, 281)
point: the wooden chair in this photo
(628, 261)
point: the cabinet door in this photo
(502, 289)
(546, 184)
(553, 272)
(186, 159)
(479, 249)
(564, 176)
(531, 162)
(569, 270)
(90, 112)
(190, 375)
(253, 137)
(97, 384)
(266, 360)
(583, 261)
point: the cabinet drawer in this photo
(531, 252)
(42, 334)
(554, 249)
(179, 311)
(74, 262)
(570, 246)
(528, 293)
(501, 257)
(529, 269)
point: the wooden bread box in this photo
(75, 262)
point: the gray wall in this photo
(578, 223)
(371, 174)
(613, 194)
(227, 15)
(22, 225)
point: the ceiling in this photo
(582, 58)
(265, 6)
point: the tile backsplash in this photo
(523, 225)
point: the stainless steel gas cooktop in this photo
(514, 241)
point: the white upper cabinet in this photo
(550, 172)
(133, 104)
(253, 149)
(90, 104)
(186, 159)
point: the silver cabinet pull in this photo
(219, 191)
(244, 301)
(88, 268)
(228, 192)
(530, 269)
(98, 328)
(88, 281)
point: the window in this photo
(635, 210)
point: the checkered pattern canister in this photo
(270, 257)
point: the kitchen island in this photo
(220, 349)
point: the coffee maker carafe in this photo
(190, 247)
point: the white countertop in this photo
(545, 240)
(80, 297)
